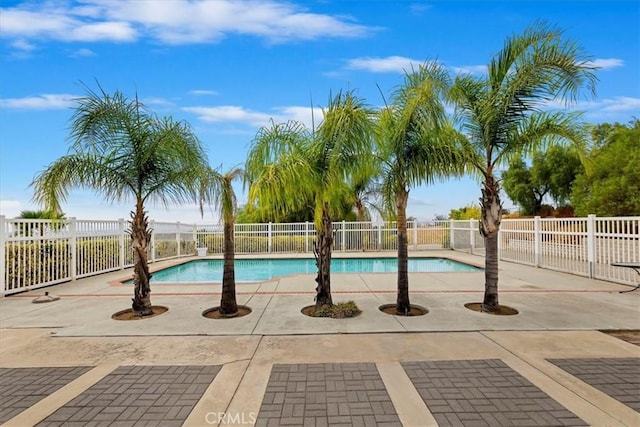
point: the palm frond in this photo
(121, 150)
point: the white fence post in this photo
(472, 236)
(73, 268)
(152, 224)
(344, 236)
(178, 236)
(451, 234)
(591, 244)
(195, 235)
(415, 235)
(3, 259)
(306, 236)
(537, 242)
(269, 231)
(121, 242)
(380, 237)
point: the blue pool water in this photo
(257, 270)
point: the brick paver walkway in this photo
(332, 394)
(136, 396)
(21, 388)
(484, 393)
(617, 377)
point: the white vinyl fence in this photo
(37, 253)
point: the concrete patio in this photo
(549, 365)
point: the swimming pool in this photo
(258, 270)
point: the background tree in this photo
(123, 151)
(467, 212)
(611, 185)
(217, 189)
(288, 166)
(504, 116)
(552, 173)
(415, 145)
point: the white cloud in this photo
(230, 113)
(606, 63)
(113, 31)
(240, 115)
(23, 45)
(154, 100)
(54, 22)
(309, 117)
(620, 104)
(83, 53)
(390, 64)
(40, 102)
(172, 21)
(203, 92)
(419, 8)
(470, 69)
(420, 202)
(602, 109)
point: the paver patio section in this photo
(326, 394)
(138, 396)
(20, 388)
(484, 393)
(617, 377)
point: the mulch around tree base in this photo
(502, 310)
(129, 315)
(414, 310)
(338, 311)
(214, 313)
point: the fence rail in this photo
(37, 253)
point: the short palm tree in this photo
(416, 144)
(365, 194)
(216, 188)
(288, 166)
(55, 224)
(505, 115)
(123, 151)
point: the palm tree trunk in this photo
(402, 302)
(228, 304)
(140, 239)
(489, 228)
(325, 242)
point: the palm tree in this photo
(55, 224)
(123, 151)
(365, 192)
(289, 166)
(216, 188)
(505, 115)
(415, 145)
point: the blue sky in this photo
(228, 66)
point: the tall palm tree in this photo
(123, 151)
(416, 144)
(506, 114)
(288, 166)
(216, 188)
